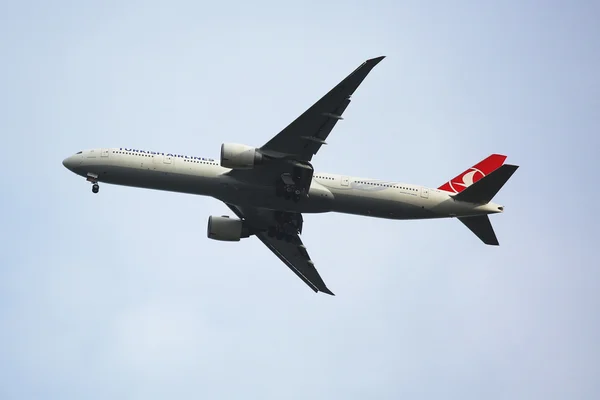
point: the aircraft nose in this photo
(68, 163)
(71, 162)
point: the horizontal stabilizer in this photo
(482, 228)
(482, 191)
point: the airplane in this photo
(269, 188)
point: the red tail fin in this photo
(473, 174)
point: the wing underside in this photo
(292, 253)
(304, 136)
(290, 153)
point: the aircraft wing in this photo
(301, 139)
(293, 253)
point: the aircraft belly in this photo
(382, 205)
(155, 179)
(250, 195)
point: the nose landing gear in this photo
(93, 178)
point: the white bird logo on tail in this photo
(468, 178)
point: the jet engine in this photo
(226, 229)
(239, 156)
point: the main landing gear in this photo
(288, 227)
(294, 186)
(287, 188)
(93, 178)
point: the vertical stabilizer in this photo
(473, 174)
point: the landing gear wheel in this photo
(95, 188)
(291, 192)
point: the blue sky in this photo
(121, 295)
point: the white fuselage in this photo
(328, 192)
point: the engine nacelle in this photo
(226, 229)
(239, 156)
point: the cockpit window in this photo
(79, 152)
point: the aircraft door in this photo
(424, 192)
(345, 181)
(104, 153)
(167, 159)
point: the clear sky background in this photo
(121, 295)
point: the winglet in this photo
(363, 70)
(324, 289)
(353, 80)
(375, 60)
